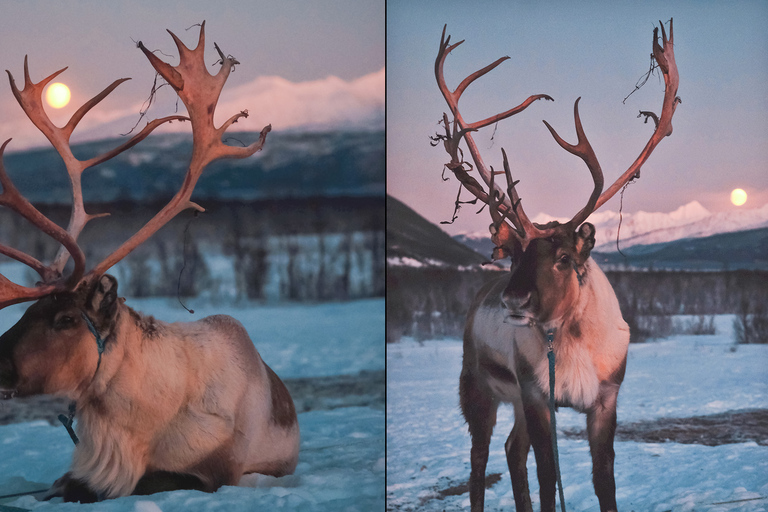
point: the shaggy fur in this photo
(194, 400)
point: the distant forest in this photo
(308, 249)
(426, 303)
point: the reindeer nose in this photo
(516, 302)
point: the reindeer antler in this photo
(198, 89)
(506, 206)
(459, 129)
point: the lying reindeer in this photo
(554, 290)
(159, 406)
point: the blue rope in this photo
(552, 422)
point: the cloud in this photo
(327, 103)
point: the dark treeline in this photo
(432, 303)
(302, 249)
(688, 293)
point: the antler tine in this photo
(199, 91)
(664, 56)
(12, 293)
(582, 149)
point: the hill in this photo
(291, 165)
(725, 251)
(414, 241)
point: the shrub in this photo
(751, 323)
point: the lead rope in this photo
(552, 422)
(69, 419)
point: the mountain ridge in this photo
(690, 221)
(292, 164)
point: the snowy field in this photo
(428, 444)
(342, 463)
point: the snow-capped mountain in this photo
(643, 228)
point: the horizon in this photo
(607, 215)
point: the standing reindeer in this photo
(159, 406)
(554, 289)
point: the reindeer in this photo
(159, 406)
(554, 290)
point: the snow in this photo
(691, 220)
(428, 444)
(342, 464)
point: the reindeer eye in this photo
(64, 322)
(564, 259)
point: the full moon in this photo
(738, 197)
(57, 95)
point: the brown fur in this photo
(283, 411)
(192, 402)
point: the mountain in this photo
(725, 251)
(413, 241)
(690, 221)
(291, 165)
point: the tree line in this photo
(428, 303)
(297, 250)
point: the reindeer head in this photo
(51, 348)
(549, 262)
(546, 277)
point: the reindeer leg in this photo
(517, 446)
(601, 428)
(479, 409)
(160, 481)
(71, 490)
(537, 419)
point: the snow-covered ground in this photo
(428, 444)
(342, 460)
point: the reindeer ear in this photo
(585, 241)
(103, 299)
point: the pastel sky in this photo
(596, 50)
(303, 62)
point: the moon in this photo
(57, 95)
(738, 197)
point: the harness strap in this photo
(553, 424)
(100, 342)
(578, 274)
(68, 420)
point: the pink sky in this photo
(303, 62)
